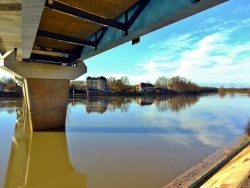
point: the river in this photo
(117, 142)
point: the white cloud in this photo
(205, 55)
(200, 129)
(241, 9)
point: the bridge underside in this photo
(47, 34)
(61, 32)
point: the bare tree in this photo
(125, 80)
(11, 84)
(78, 84)
(162, 82)
(182, 85)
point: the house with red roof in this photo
(145, 87)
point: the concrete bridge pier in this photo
(46, 89)
(47, 101)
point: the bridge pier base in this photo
(47, 101)
(45, 87)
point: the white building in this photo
(99, 83)
(145, 87)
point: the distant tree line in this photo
(176, 84)
(181, 85)
(222, 90)
(78, 85)
(120, 85)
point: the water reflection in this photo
(173, 103)
(40, 159)
(176, 103)
(121, 103)
(97, 105)
(10, 106)
(147, 146)
(145, 101)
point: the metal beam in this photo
(104, 30)
(68, 9)
(64, 38)
(156, 14)
(142, 5)
(77, 54)
(78, 50)
(47, 58)
(49, 49)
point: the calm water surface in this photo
(125, 142)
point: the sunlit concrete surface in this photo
(190, 177)
(31, 12)
(47, 102)
(233, 173)
(11, 26)
(39, 70)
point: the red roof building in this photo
(145, 87)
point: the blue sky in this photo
(210, 47)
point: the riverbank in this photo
(192, 175)
(162, 92)
(10, 94)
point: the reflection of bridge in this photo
(40, 159)
(50, 34)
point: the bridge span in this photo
(45, 42)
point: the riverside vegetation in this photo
(163, 86)
(247, 126)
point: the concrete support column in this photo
(46, 89)
(47, 101)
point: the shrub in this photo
(247, 127)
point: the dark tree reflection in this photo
(175, 103)
(181, 102)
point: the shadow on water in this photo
(40, 159)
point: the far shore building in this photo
(145, 87)
(2, 86)
(99, 83)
